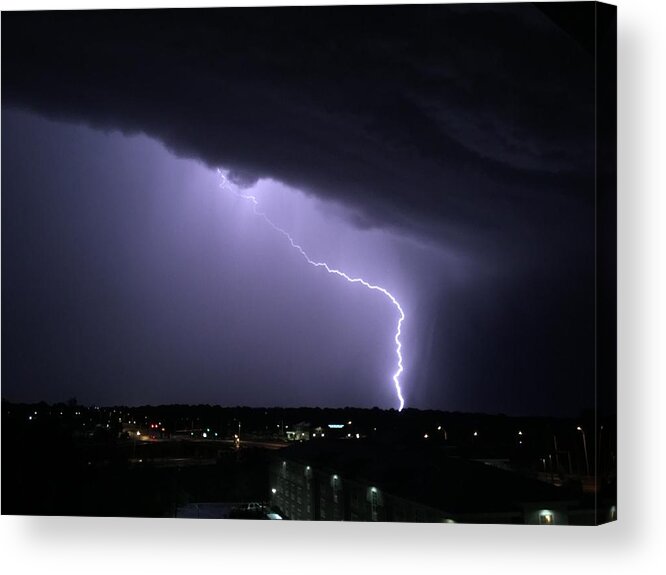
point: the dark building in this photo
(370, 481)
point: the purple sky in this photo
(444, 152)
(150, 283)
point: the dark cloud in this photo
(465, 127)
(413, 114)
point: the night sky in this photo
(445, 153)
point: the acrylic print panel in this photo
(317, 263)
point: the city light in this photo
(546, 517)
(587, 461)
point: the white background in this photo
(637, 542)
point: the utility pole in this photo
(587, 461)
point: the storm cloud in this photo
(466, 132)
(410, 113)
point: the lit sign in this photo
(336, 425)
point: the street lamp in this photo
(587, 461)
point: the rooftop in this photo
(427, 474)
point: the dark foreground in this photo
(310, 464)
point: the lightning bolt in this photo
(227, 185)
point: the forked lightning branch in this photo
(229, 186)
